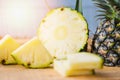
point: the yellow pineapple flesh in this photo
(63, 31)
(61, 67)
(33, 54)
(7, 45)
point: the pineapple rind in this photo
(73, 42)
(7, 45)
(106, 39)
(32, 54)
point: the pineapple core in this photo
(60, 33)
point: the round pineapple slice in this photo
(63, 31)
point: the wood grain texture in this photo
(18, 72)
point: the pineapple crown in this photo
(109, 10)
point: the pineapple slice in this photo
(63, 31)
(84, 60)
(7, 45)
(32, 54)
(78, 64)
(62, 67)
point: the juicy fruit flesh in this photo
(7, 45)
(63, 69)
(32, 54)
(78, 64)
(60, 33)
(84, 60)
(63, 31)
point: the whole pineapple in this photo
(106, 40)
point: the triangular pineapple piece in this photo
(7, 45)
(32, 54)
(63, 31)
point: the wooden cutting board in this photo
(18, 72)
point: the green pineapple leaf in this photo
(78, 5)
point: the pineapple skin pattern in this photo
(106, 41)
(63, 31)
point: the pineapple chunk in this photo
(7, 45)
(84, 60)
(63, 31)
(62, 67)
(78, 64)
(33, 54)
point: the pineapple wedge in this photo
(61, 67)
(84, 60)
(63, 31)
(7, 45)
(32, 54)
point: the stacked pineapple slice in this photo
(82, 63)
(65, 71)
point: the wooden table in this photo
(18, 72)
